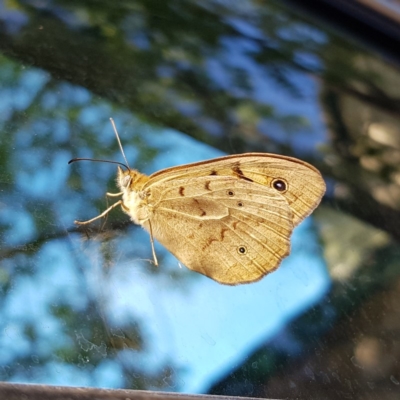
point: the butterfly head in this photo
(130, 180)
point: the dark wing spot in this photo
(240, 204)
(203, 213)
(242, 250)
(279, 184)
(209, 241)
(239, 173)
(213, 172)
(237, 169)
(246, 178)
(223, 233)
(207, 185)
(182, 191)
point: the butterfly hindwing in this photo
(232, 230)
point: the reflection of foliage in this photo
(68, 330)
(190, 66)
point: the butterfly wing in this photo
(231, 230)
(297, 181)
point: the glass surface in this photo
(188, 81)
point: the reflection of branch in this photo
(123, 85)
(376, 96)
(31, 247)
(380, 101)
(362, 205)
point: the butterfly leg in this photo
(152, 246)
(108, 194)
(99, 216)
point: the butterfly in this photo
(229, 218)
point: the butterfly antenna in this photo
(95, 159)
(119, 142)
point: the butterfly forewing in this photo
(299, 182)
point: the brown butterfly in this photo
(229, 218)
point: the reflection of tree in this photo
(158, 59)
(191, 66)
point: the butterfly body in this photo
(134, 198)
(229, 218)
